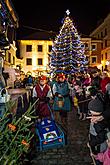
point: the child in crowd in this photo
(104, 156)
(82, 108)
(97, 131)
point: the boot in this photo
(84, 117)
(80, 116)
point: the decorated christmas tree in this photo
(67, 51)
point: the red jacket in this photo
(104, 82)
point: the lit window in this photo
(29, 61)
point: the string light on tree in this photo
(67, 51)
(67, 12)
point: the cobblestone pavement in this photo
(75, 151)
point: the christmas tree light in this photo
(67, 51)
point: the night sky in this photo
(48, 15)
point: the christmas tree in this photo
(67, 51)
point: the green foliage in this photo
(15, 135)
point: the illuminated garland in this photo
(67, 51)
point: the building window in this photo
(93, 46)
(105, 43)
(105, 66)
(39, 48)
(13, 60)
(28, 48)
(9, 57)
(102, 56)
(101, 34)
(105, 31)
(102, 45)
(49, 48)
(29, 61)
(105, 55)
(93, 60)
(98, 36)
(88, 58)
(40, 61)
(86, 45)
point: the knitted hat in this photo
(95, 105)
(42, 77)
(61, 75)
(93, 91)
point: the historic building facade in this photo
(103, 32)
(34, 50)
(8, 25)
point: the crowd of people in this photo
(89, 95)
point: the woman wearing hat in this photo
(42, 91)
(62, 102)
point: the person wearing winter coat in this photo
(105, 80)
(96, 80)
(104, 157)
(97, 131)
(42, 91)
(87, 80)
(62, 103)
(105, 115)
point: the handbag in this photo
(5, 98)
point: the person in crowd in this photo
(96, 80)
(83, 100)
(42, 91)
(2, 82)
(105, 80)
(24, 82)
(87, 80)
(105, 115)
(17, 83)
(104, 157)
(97, 131)
(29, 80)
(62, 102)
(72, 89)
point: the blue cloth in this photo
(63, 89)
(30, 81)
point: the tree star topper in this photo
(67, 12)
